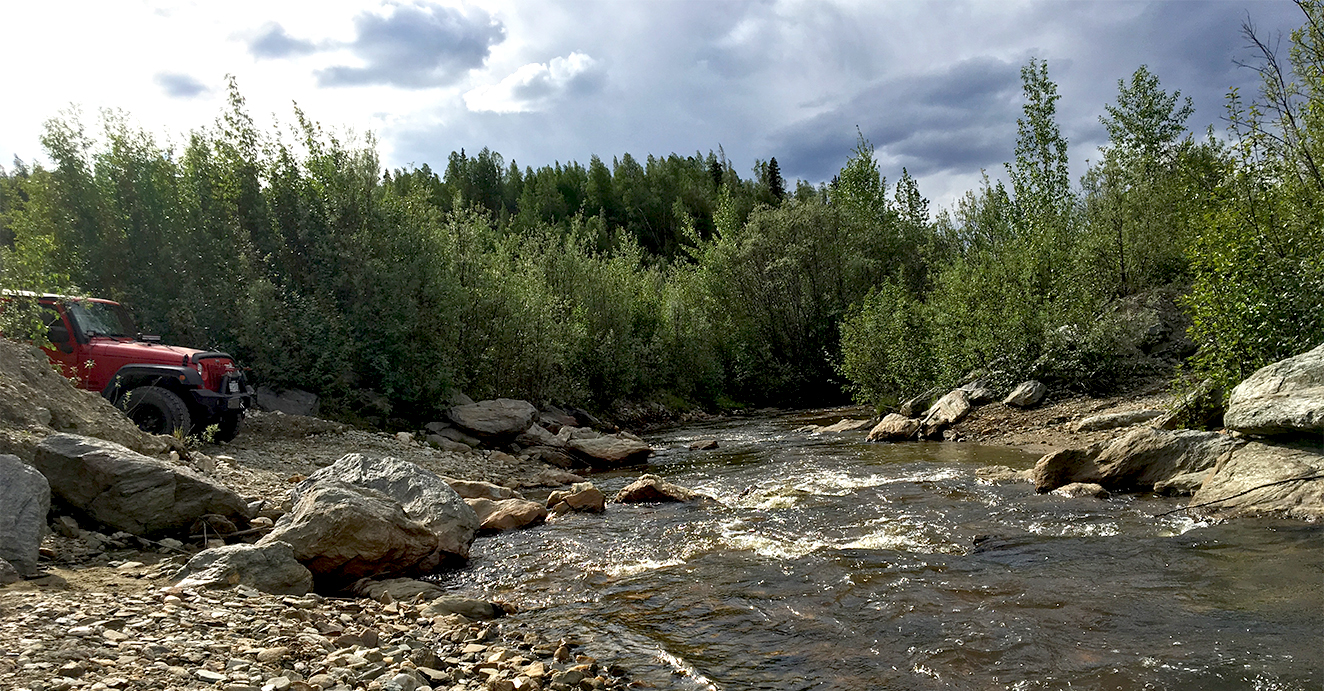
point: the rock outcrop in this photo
(270, 568)
(500, 418)
(1138, 461)
(894, 427)
(128, 491)
(1258, 479)
(1285, 398)
(424, 496)
(343, 533)
(25, 499)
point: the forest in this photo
(676, 280)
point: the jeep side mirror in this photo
(59, 336)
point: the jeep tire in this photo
(228, 425)
(156, 410)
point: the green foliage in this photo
(887, 347)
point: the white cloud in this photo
(536, 86)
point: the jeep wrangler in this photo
(164, 389)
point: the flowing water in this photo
(832, 564)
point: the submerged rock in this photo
(1078, 490)
(582, 496)
(651, 489)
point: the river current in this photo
(833, 564)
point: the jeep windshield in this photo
(101, 319)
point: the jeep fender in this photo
(132, 376)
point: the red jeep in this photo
(162, 388)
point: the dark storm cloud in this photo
(958, 118)
(176, 85)
(273, 42)
(417, 46)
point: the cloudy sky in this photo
(934, 85)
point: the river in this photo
(833, 564)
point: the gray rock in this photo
(8, 574)
(1026, 394)
(288, 401)
(477, 489)
(1065, 466)
(582, 496)
(440, 442)
(425, 496)
(555, 457)
(894, 427)
(507, 514)
(979, 392)
(1128, 418)
(702, 445)
(1184, 484)
(1001, 473)
(343, 533)
(915, 407)
(947, 411)
(270, 568)
(1201, 408)
(651, 489)
(503, 417)
(129, 491)
(1259, 478)
(536, 435)
(846, 425)
(25, 499)
(611, 450)
(1285, 398)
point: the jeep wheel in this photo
(156, 410)
(228, 426)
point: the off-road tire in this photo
(156, 410)
(228, 425)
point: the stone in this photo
(947, 411)
(1001, 473)
(555, 457)
(440, 442)
(272, 655)
(1026, 394)
(395, 589)
(1265, 479)
(25, 500)
(503, 417)
(1284, 398)
(288, 401)
(463, 606)
(979, 392)
(915, 406)
(537, 435)
(894, 427)
(129, 491)
(1077, 490)
(270, 568)
(846, 425)
(1184, 484)
(651, 489)
(342, 533)
(610, 450)
(1063, 467)
(1114, 420)
(474, 489)
(507, 514)
(66, 526)
(425, 496)
(702, 445)
(8, 574)
(582, 496)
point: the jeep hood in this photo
(139, 351)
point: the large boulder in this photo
(1263, 478)
(846, 425)
(1026, 394)
(128, 491)
(582, 496)
(894, 428)
(1286, 397)
(1138, 461)
(915, 406)
(343, 533)
(507, 514)
(270, 568)
(425, 496)
(651, 489)
(947, 411)
(980, 391)
(25, 499)
(610, 450)
(501, 418)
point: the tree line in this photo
(675, 279)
